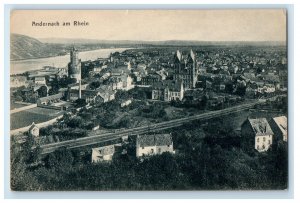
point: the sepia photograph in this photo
(149, 100)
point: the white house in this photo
(147, 145)
(266, 88)
(34, 130)
(104, 153)
(126, 102)
(40, 80)
(123, 82)
(257, 133)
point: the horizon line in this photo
(186, 40)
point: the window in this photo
(257, 139)
(168, 145)
(142, 147)
(257, 147)
(263, 147)
(264, 139)
(159, 150)
(269, 141)
(152, 151)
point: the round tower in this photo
(74, 69)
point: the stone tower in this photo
(74, 69)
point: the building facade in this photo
(147, 145)
(103, 153)
(167, 90)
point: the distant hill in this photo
(158, 43)
(24, 47)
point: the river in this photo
(59, 61)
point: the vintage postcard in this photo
(131, 100)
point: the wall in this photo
(23, 108)
(156, 150)
(50, 107)
(259, 143)
(146, 151)
(162, 149)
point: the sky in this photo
(156, 25)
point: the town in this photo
(155, 105)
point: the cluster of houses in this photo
(166, 75)
(146, 145)
(177, 76)
(114, 74)
(260, 72)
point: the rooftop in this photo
(154, 140)
(281, 121)
(51, 97)
(172, 85)
(105, 150)
(261, 126)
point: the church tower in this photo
(194, 69)
(74, 67)
(185, 69)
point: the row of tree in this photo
(199, 164)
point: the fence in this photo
(50, 107)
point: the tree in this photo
(203, 103)
(122, 95)
(124, 122)
(229, 87)
(43, 91)
(54, 87)
(51, 160)
(64, 158)
(35, 154)
(80, 103)
(94, 85)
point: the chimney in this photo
(79, 89)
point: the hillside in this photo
(24, 47)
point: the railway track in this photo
(81, 142)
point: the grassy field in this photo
(37, 115)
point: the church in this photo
(185, 69)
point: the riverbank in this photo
(22, 66)
(67, 54)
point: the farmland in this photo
(37, 115)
